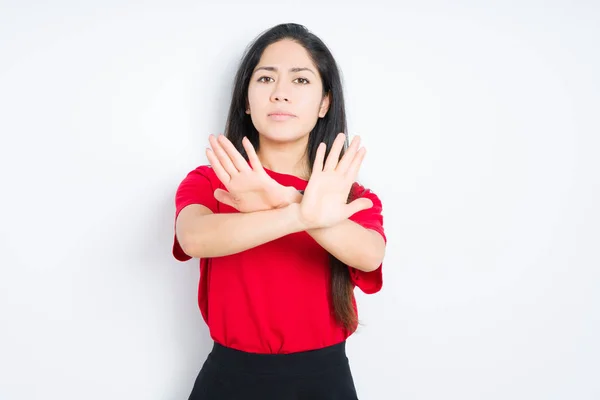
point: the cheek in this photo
(251, 97)
(256, 95)
(310, 105)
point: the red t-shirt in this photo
(273, 298)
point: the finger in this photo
(252, 157)
(234, 154)
(217, 167)
(352, 171)
(357, 205)
(222, 156)
(334, 153)
(224, 197)
(319, 156)
(348, 155)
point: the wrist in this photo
(295, 217)
(293, 196)
(303, 224)
(285, 197)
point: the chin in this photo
(282, 134)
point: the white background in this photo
(481, 125)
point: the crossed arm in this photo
(203, 234)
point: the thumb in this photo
(224, 197)
(358, 205)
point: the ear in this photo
(325, 105)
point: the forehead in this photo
(286, 53)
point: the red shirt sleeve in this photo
(198, 187)
(371, 218)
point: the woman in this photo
(282, 231)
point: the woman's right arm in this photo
(203, 234)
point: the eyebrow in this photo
(274, 69)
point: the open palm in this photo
(325, 198)
(249, 187)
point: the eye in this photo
(304, 81)
(262, 79)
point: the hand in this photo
(249, 187)
(325, 198)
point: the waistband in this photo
(304, 362)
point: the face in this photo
(285, 95)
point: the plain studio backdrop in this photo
(481, 127)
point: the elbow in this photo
(190, 230)
(190, 246)
(374, 259)
(187, 248)
(373, 265)
(369, 263)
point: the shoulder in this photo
(198, 187)
(358, 190)
(202, 173)
(203, 170)
(200, 179)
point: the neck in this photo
(284, 157)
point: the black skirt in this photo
(230, 374)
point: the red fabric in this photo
(274, 298)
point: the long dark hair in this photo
(239, 124)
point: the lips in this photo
(281, 113)
(281, 116)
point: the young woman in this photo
(282, 231)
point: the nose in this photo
(280, 93)
(278, 98)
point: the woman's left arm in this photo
(352, 244)
(349, 242)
